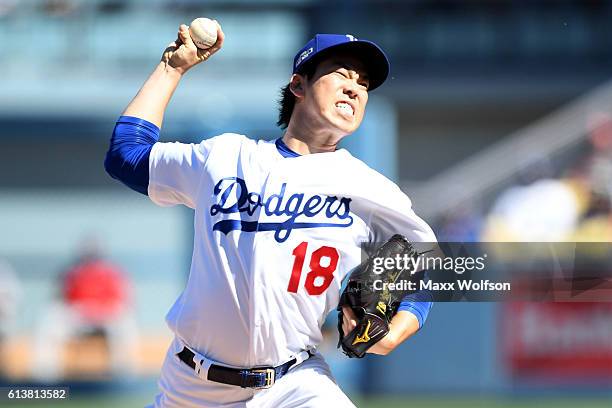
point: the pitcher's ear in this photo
(296, 85)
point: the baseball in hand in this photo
(203, 32)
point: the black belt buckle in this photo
(268, 379)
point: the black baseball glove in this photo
(373, 308)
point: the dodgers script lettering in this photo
(294, 211)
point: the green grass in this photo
(83, 402)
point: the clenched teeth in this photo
(345, 107)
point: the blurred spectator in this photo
(576, 207)
(600, 132)
(95, 300)
(10, 294)
(544, 211)
(594, 229)
(596, 223)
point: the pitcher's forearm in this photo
(152, 99)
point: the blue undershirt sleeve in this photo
(127, 159)
(419, 304)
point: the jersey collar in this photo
(284, 150)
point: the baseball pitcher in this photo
(278, 226)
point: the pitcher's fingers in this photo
(348, 312)
(184, 36)
(204, 54)
(220, 38)
(345, 326)
(349, 321)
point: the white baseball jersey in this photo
(274, 238)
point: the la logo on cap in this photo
(303, 56)
(351, 37)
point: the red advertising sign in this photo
(558, 340)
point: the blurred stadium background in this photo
(497, 121)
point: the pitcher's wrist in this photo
(168, 69)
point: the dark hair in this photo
(286, 103)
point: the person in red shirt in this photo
(97, 289)
(95, 298)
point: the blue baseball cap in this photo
(373, 57)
